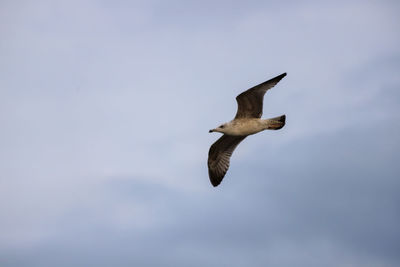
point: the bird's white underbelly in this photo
(246, 127)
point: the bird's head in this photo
(222, 128)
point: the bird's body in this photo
(245, 127)
(246, 122)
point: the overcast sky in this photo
(105, 108)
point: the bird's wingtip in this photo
(215, 181)
(215, 184)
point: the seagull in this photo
(246, 122)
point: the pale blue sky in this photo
(105, 108)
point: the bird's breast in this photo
(246, 127)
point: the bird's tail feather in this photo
(275, 123)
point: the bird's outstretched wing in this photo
(219, 157)
(250, 102)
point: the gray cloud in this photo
(91, 173)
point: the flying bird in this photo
(246, 122)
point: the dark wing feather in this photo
(219, 157)
(250, 102)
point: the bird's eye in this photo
(222, 126)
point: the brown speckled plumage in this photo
(246, 122)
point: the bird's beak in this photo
(210, 131)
